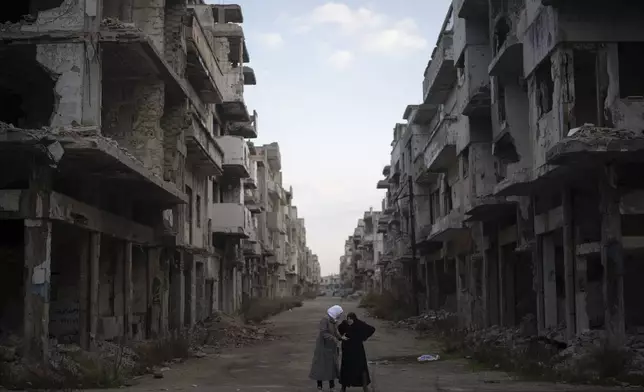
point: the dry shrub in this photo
(260, 309)
(386, 307)
(156, 352)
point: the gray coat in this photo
(325, 358)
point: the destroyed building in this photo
(524, 160)
(131, 207)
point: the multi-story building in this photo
(521, 160)
(126, 212)
(360, 265)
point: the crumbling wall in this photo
(200, 206)
(149, 16)
(175, 39)
(64, 304)
(139, 291)
(132, 116)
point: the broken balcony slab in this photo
(440, 152)
(245, 129)
(227, 13)
(448, 227)
(382, 184)
(467, 9)
(86, 154)
(525, 182)
(13, 205)
(234, 33)
(489, 208)
(508, 60)
(440, 74)
(589, 146)
(203, 151)
(202, 67)
(630, 244)
(250, 79)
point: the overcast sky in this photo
(333, 78)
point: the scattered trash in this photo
(429, 358)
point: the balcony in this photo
(476, 85)
(202, 68)
(252, 201)
(486, 208)
(252, 249)
(233, 107)
(231, 219)
(386, 170)
(203, 151)
(467, 9)
(245, 129)
(440, 153)
(421, 174)
(447, 227)
(275, 222)
(275, 190)
(440, 74)
(251, 181)
(508, 60)
(382, 184)
(236, 156)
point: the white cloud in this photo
(402, 36)
(271, 40)
(341, 59)
(372, 31)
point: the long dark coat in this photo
(325, 358)
(354, 371)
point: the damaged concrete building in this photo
(523, 160)
(128, 210)
(360, 264)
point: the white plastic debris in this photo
(429, 358)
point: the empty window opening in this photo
(501, 31)
(587, 105)
(465, 162)
(447, 198)
(26, 10)
(27, 97)
(198, 212)
(545, 87)
(500, 104)
(631, 63)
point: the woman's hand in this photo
(344, 337)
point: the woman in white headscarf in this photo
(325, 358)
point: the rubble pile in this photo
(220, 332)
(427, 321)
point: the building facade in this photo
(135, 204)
(512, 195)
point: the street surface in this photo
(283, 364)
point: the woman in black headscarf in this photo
(354, 371)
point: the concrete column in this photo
(428, 295)
(581, 295)
(612, 255)
(37, 277)
(83, 295)
(501, 284)
(549, 282)
(510, 292)
(94, 283)
(485, 276)
(128, 288)
(177, 291)
(459, 291)
(435, 287)
(570, 252)
(537, 261)
(191, 292)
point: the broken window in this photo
(465, 162)
(545, 87)
(190, 205)
(501, 31)
(27, 97)
(631, 63)
(447, 197)
(500, 104)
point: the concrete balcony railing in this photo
(382, 184)
(252, 201)
(246, 129)
(440, 74)
(476, 86)
(202, 67)
(236, 156)
(440, 153)
(275, 222)
(231, 219)
(233, 106)
(203, 151)
(251, 181)
(446, 227)
(275, 190)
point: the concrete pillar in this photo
(83, 295)
(581, 295)
(177, 291)
(501, 269)
(549, 282)
(570, 252)
(94, 283)
(37, 277)
(537, 284)
(612, 255)
(127, 288)
(155, 292)
(510, 292)
(485, 276)
(435, 286)
(191, 292)
(428, 295)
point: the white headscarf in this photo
(335, 312)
